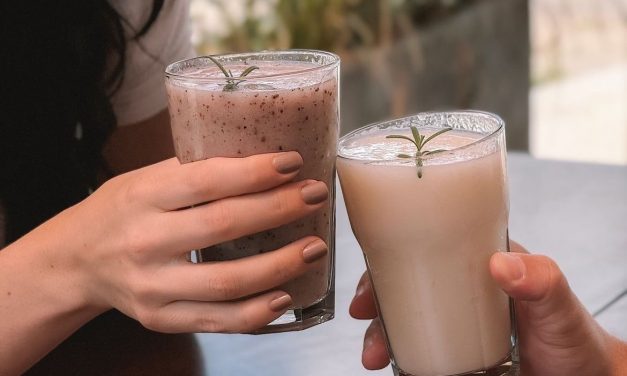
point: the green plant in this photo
(231, 81)
(332, 25)
(420, 140)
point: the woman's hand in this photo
(156, 284)
(557, 336)
(126, 247)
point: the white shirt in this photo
(142, 93)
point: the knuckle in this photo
(201, 184)
(283, 272)
(220, 219)
(138, 244)
(245, 323)
(134, 190)
(553, 277)
(149, 319)
(144, 293)
(153, 323)
(145, 303)
(209, 324)
(224, 288)
(280, 203)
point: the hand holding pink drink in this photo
(247, 104)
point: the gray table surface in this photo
(575, 213)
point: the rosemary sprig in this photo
(419, 140)
(231, 83)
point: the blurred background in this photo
(555, 70)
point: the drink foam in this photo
(377, 149)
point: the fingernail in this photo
(513, 266)
(314, 251)
(286, 163)
(314, 192)
(367, 344)
(361, 288)
(281, 303)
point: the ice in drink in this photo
(427, 243)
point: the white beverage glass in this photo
(290, 102)
(428, 227)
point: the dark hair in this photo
(61, 63)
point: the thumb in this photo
(557, 336)
(540, 289)
(534, 279)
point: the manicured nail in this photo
(314, 192)
(371, 334)
(368, 341)
(286, 163)
(281, 303)
(314, 251)
(512, 266)
(361, 289)
(358, 293)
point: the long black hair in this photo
(60, 64)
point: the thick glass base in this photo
(507, 367)
(300, 319)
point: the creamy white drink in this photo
(427, 243)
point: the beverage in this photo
(427, 241)
(287, 104)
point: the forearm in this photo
(41, 298)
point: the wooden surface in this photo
(575, 213)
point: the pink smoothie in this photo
(264, 115)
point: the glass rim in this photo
(485, 138)
(334, 61)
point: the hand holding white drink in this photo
(428, 214)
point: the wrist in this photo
(42, 300)
(56, 261)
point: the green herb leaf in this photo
(248, 70)
(216, 62)
(419, 142)
(436, 134)
(403, 137)
(230, 83)
(434, 151)
(416, 134)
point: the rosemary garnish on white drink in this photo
(419, 140)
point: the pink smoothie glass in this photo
(290, 101)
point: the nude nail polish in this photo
(287, 163)
(314, 251)
(281, 303)
(314, 193)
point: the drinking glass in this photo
(290, 101)
(428, 215)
